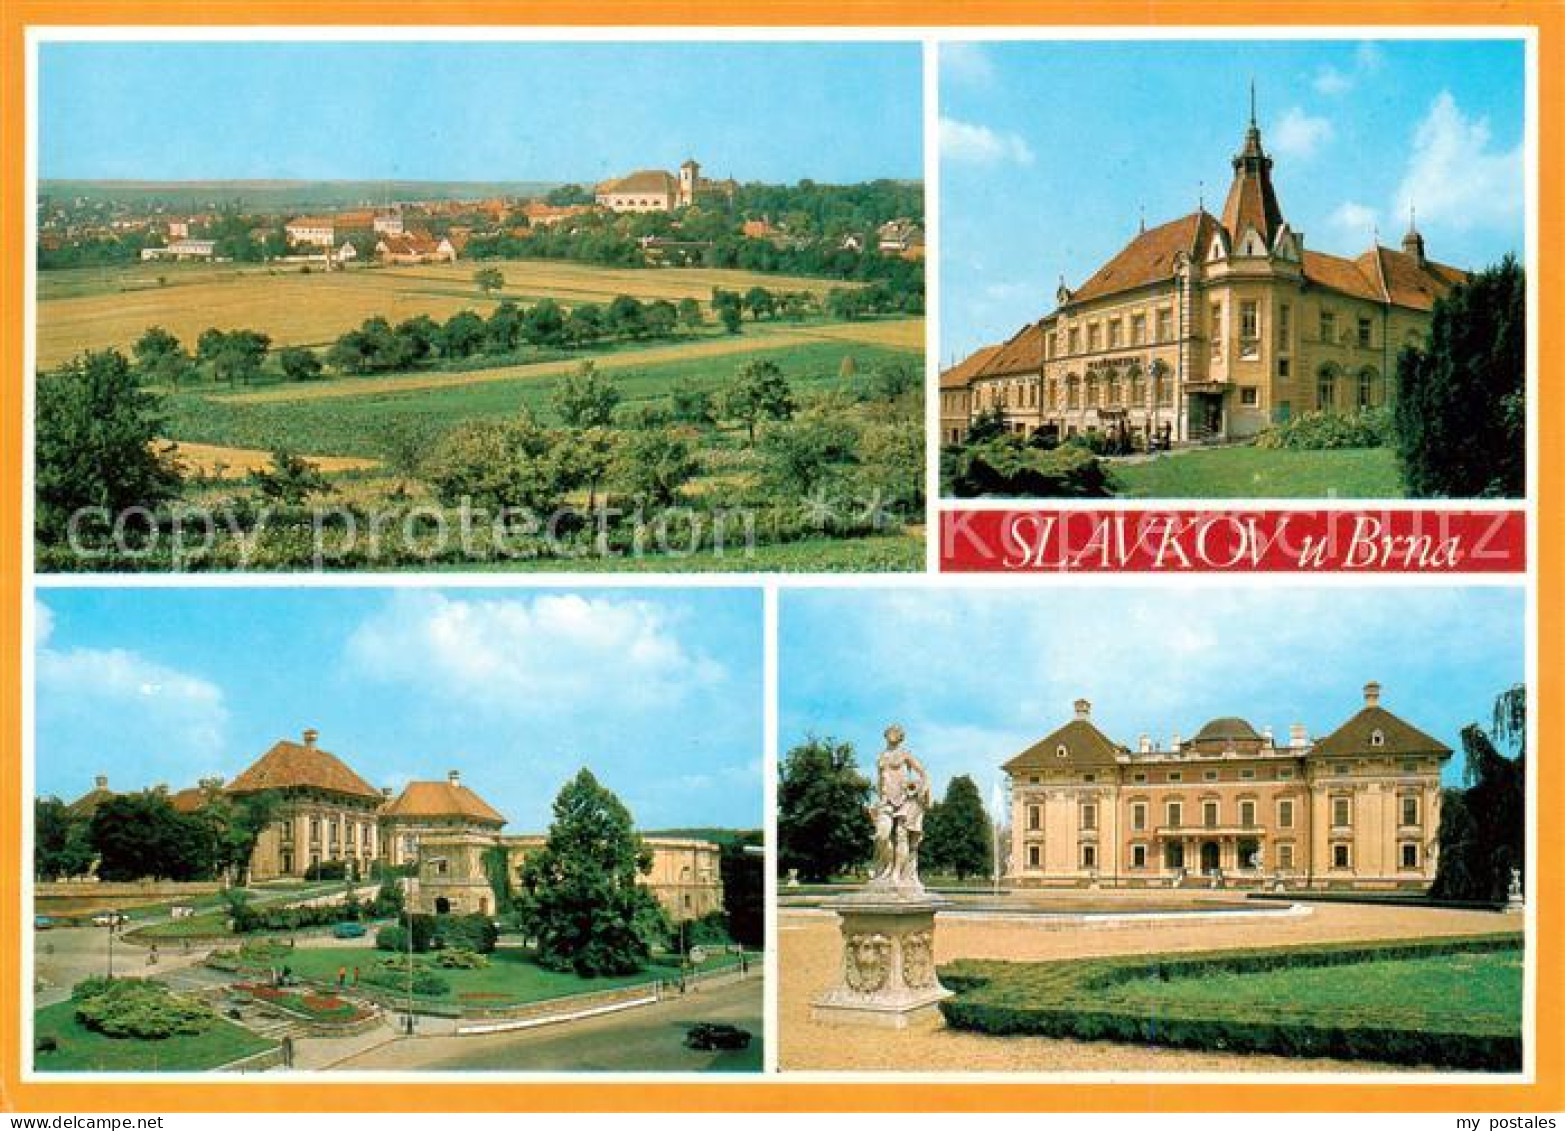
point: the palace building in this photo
(325, 813)
(1358, 809)
(1208, 327)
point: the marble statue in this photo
(903, 796)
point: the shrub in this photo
(394, 935)
(327, 870)
(393, 976)
(1322, 431)
(1006, 466)
(475, 933)
(134, 1007)
(459, 958)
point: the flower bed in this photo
(1119, 999)
(308, 1004)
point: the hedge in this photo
(1077, 1000)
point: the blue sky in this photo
(1049, 152)
(775, 112)
(978, 675)
(658, 691)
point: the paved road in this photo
(649, 1039)
(65, 955)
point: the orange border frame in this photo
(779, 1093)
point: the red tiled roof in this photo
(1023, 353)
(441, 799)
(288, 765)
(1149, 258)
(191, 800)
(650, 181)
(1413, 284)
(1252, 202)
(960, 374)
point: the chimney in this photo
(1266, 735)
(385, 791)
(1083, 709)
(1298, 737)
(1372, 694)
(454, 777)
(310, 735)
(1145, 743)
(1173, 742)
(101, 781)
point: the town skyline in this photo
(1362, 134)
(154, 688)
(485, 111)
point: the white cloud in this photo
(1330, 81)
(1354, 218)
(531, 656)
(966, 63)
(43, 623)
(1298, 135)
(107, 709)
(1455, 176)
(980, 145)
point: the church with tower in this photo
(1208, 327)
(654, 190)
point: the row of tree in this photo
(824, 828)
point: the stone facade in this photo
(1211, 327)
(1358, 809)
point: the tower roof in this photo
(1229, 728)
(1252, 202)
(1357, 736)
(448, 798)
(289, 765)
(1077, 743)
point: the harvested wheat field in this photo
(215, 461)
(313, 309)
(808, 959)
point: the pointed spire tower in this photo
(1413, 242)
(1252, 202)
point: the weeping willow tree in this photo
(1483, 825)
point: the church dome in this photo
(1227, 729)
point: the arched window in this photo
(1367, 392)
(1377, 738)
(1115, 394)
(1073, 391)
(1138, 393)
(1092, 391)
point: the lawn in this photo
(511, 978)
(881, 553)
(93, 308)
(1256, 473)
(1487, 984)
(1449, 1003)
(82, 1050)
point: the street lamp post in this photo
(407, 914)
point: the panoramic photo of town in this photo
(397, 830)
(529, 317)
(1297, 851)
(1312, 286)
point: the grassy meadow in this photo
(1247, 472)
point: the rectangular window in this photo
(1284, 368)
(1165, 324)
(1138, 329)
(1285, 774)
(1176, 814)
(1034, 856)
(1249, 396)
(1364, 329)
(1249, 320)
(1209, 814)
(1138, 816)
(1209, 775)
(1138, 856)
(1176, 775)
(1034, 817)
(1409, 809)
(1285, 814)
(1285, 856)
(1048, 347)
(1284, 326)
(1115, 332)
(1341, 857)
(1328, 327)
(1094, 337)
(1075, 339)
(1246, 775)
(1215, 328)
(1410, 856)
(1247, 814)
(1341, 812)
(1089, 856)
(1141, 777)
(1089, 817)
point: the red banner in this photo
(1036, 540)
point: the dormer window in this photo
(1377, 738)
(1061, 752)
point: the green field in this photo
(511, 978)
(878, 553)
(1488, 984)
(1245, 472)
(82, 1050)
(354, 425)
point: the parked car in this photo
(110, 919)
(43, 923)
(349, 930)
(709, 1036)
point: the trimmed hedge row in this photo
(1077, 1000)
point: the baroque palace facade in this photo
(1358, 809)
(326, 813)
(1208, 328)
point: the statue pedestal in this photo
(888, 976)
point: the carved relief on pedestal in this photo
(867, 966)
(918, 959)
